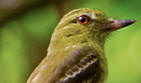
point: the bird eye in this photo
(83, 19)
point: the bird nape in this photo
(76, 50)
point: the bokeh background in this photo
(26, 27)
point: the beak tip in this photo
(132, 21)
(128, 22)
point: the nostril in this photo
(111, 20)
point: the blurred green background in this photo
(26, 27)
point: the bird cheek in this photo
(105, 27)
(101, 27)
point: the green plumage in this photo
(76, 50)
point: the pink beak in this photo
(117, 24)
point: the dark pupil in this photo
(82, 19)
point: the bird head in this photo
(94, 19)
(94, 23)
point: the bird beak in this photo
(117, 24)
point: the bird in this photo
(76, 50)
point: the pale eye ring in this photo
(83, 19)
